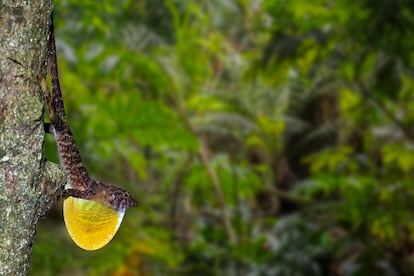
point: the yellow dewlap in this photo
(90, 224)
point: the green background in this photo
(260, 137)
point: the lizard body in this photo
(93, 210)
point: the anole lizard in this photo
(92, 210)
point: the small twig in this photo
(175, 194)
(219, 192)
(212, 174)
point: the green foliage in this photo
(300, 112)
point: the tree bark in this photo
(27, 182)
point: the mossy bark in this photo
(27, 182)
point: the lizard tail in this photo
(56, 104)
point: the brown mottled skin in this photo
(82, 186)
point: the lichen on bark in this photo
(27, 182)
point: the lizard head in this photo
(111, 196)
(120, 199)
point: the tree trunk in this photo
(27, 182)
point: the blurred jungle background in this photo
(261, 137)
